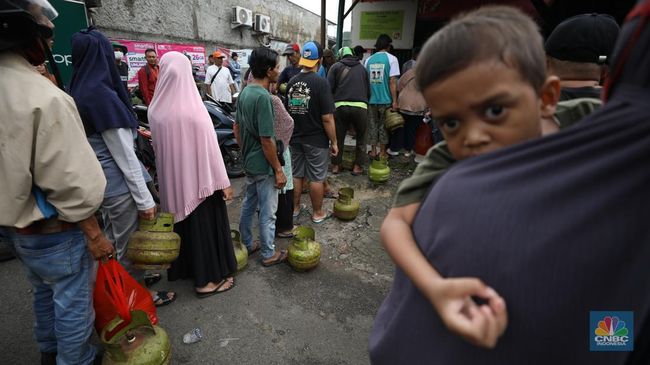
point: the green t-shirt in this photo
(438, 159)
(255, 117)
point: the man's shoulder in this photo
(391, 58)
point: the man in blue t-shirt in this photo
(383, 71)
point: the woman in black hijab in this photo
(558, 226)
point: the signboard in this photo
(374, 23)
(71, 19)
(395, 18)
(243, 56)
(135, 57)
(196, 54)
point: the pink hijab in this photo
(188, 159)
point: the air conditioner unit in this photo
(262, 23)
(241, 17)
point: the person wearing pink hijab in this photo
(193, 181)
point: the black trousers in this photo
(284, 214)
(358, 118)
(404, 138)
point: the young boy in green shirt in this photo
(484, 79)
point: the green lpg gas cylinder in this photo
(379, 172)
(304, 251)
(154, 246)
(346, 208)
(135, 343)
(241, 252)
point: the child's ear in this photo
(550, 96)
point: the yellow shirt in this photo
(42, 143)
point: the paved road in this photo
(273, 315)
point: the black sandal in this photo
(163, 296)
(151, 279)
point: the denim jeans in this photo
(260, 192)
(62, 273)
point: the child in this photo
(484, 79)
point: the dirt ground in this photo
(273, 315)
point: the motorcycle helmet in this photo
(22, 21)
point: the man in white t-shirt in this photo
(220, 82)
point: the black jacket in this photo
(351, 85)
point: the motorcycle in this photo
(222, 121)
(221, 114)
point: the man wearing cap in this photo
(221, 86)
(310, 104)
(383, 71)
(292, 52)
(148, 75)
(351, 89)
(577, 52)
(122, 68)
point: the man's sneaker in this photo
(392, 153)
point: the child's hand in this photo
(481, 325)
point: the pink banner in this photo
(196, 54)
(135, 58)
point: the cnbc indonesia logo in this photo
(612, 331)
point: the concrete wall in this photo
(205, 22)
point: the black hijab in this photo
(96, 86)
(559, 227)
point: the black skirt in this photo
(207, 253)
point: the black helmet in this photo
(23, 20)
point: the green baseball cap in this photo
(345, 51)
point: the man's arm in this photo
(98, 245)
(208, 80)
(270, 153)
(233, 89)
(330, 130)
(235, 130)
(393, 93)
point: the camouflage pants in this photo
(376, 132)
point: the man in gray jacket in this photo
(349, 83)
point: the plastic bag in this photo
(423, 138)
(117, 293)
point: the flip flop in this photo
(354, 173)
(285, 235)
(151, 279)
(327, 216)
(216, 290)
(282, 258)
(330, 195)
(256, 248)
(166, 300)
(303, 208)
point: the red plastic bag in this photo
(423, 138)
(117, 293)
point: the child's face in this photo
(485, 107)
